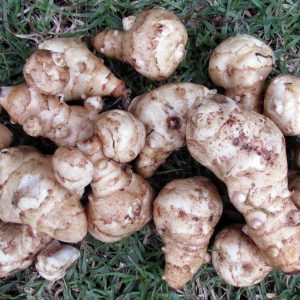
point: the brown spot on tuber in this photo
(174, 123)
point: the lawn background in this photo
(132, 268)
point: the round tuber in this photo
(282, 103)
(54, 260)
(237, 259)
(121, 134)
(241, 65)
(153, 42)
(6, 137)
(19, 245)
(185, 214)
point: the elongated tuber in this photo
(31, 195)
(237, 259)
(53, 261)
(164, 112)
(121, 201)
(247, 151)
(282, 103)
(19, 246)
(185, 214)
(153, 42)
(66, 67)
(46, 116)
(6, 137)
(240, 65)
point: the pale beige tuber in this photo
(153, 42)
(31, 195)
(164, 112)
(237, 259)
(121, 134)
(247, 151)
(66, 67)
(240, 65)
(72, 169)
(185, 214)
(6, 137)
(19, 245)
(121, 201)
(282, 103)
(46, 116)
(53, 261)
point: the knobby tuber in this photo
(46, 116)
(54, 260)
(247, 151)
(164, 112)
(19, 245)
(185, 214)
(121, 201)
(240, 65)
(282, 103)
(237, 259)
(66, 67)
(31, 195)
(153, 42)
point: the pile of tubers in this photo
(227, 134)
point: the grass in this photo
(132, 268)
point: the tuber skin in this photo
(19, 246)
(185, 214)
(72, 169)
(46, 116)
(31, 195)
(282, 103)
(241, 65)
(164, 112)
(152, 42)
(54, 260)
(247, 151)
(121, 134)
(121, 201)
(66, 67)
(237, 259)
(6, 137)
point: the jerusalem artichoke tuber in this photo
(66, 67)
(46, 116)
(54, 261)
(236, 258)
(153, 42)
(185, 214)
(163, 112)
(121, 134)
(282, 103)
(121, 201)
(31, 195)
(240, 65)
(19, 246)
(294, 186)
(247, 151)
